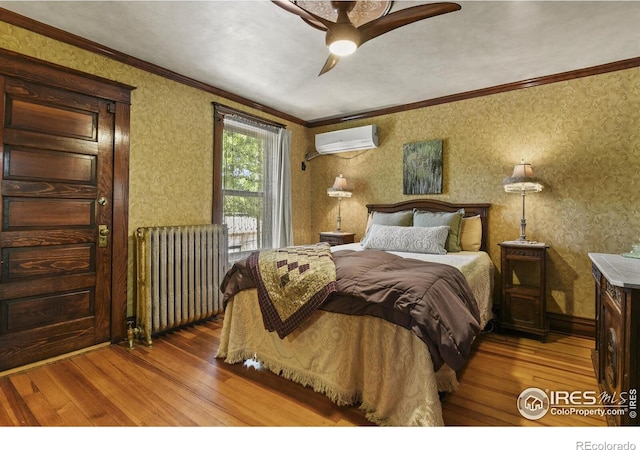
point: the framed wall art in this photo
(422, 167)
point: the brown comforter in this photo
(433, 300)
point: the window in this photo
(252, 194)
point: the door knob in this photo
(103, 239)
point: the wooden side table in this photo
(523, 306)
(337, 237)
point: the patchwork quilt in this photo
(292, 282)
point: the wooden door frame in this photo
(16, 65)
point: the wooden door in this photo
(56, 193)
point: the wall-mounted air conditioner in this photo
(359, 138)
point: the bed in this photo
(382, 365)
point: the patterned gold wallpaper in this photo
(581, 137)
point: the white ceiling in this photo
(265, 54)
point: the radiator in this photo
(179, 270)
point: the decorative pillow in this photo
(434, 219)
(407, 239)
(400, 219)
(471, 233)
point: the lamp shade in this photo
(522, 180)
(339, 188)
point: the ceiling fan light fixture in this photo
(345, 34)
(342, 47)
(343, 39)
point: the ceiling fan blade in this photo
(316, 25)
(331, 62)
(404, 17)
(306, 15)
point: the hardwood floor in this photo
(178, 382)
(503, 365)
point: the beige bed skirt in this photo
(363, 360)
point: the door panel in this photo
(47, 213)
(24, 163)
(44, 310)
(32, 116)
(46, 285)
(40, 108)
(36, 262)
(55, 280)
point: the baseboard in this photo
(563, 323)
(579, 326)
(44, 362)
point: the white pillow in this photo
(407, 239)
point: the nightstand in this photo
(523, 306)
(337, 237)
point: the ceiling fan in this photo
(343, 37)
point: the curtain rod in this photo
(222, 110)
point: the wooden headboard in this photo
(470, 209)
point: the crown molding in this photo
(533, 82)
